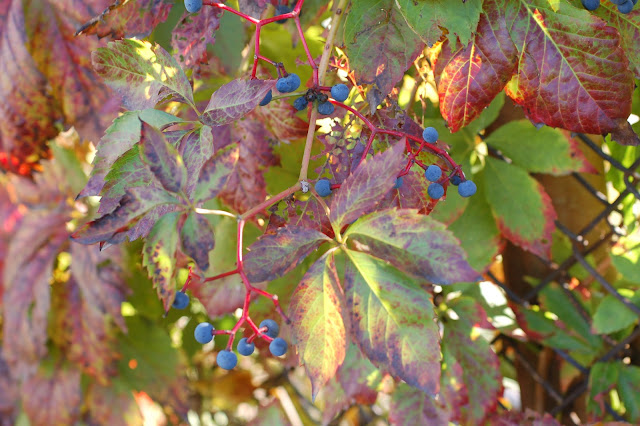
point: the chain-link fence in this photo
(549, 393)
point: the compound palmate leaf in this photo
(316, 309)
(392, 321)
(273, 255)
(234, 100)
(143, 74)
(413, 243)
(572, 71)
(362, 190)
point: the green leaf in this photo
(197, 239)
(522, 208)
(363, 189)
(215, 173)
(159, 256)
(477, 231)
(427, 19)
(603, 377)
(544, 150)
(413, 243)
(163, 159)
(372, 27)
(316, 310)
(142, 73)
(629, 390)
(120, 137)
(393, 321)
(273, 255)
(612, 315)
(234, 100)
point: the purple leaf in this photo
(234, 100)
(273, 255)
(197, 239)
(361, 191)
(215, 172)
(162, 159)
(192, 35)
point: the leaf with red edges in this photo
(273, 255)
(193, 33)
(361, 191)
(544, 150)
(142, 73)
(470, 76)
(380, 45)
(480, 365)
(411, 406)
(52, 397)
(234, 100)
(215, 173)
(125, 19)
(316, 310)
(509, 189)
(392, 321)
(628, 25)
(197, 239)
(159, 256)
(531, 418)
(583, 90)
(163, 160)
(413, 243)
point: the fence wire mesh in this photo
(559, 399)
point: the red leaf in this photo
(234, 100)
(54, 398)
(471, 76)
(8, 395)
(583, 90)
(361, 191)
(192, 35)
(528, 418)
(316, 310)
(273, 255)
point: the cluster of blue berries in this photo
(433, 173)
(624, 6)
(227, 359)
(291, 82)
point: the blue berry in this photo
(288, 84)
(467, 188)
(266, 99)
(430, 135)
(455, 180)
(323, 187)
(278, 346)
(433, 173)
(590, 4)
(300, 103)
(326, 108)
(203, 333)
(340, 92)
(272, 328)
(193, 6)
(435, 191)
(244, 348)
(399, 182)
(181, 301)
(227, 360)
(625, 7)
(281, 9)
